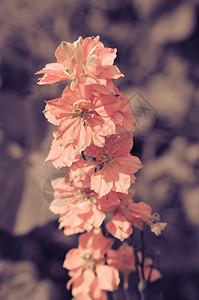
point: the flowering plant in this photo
(94, 141)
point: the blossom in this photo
(112, 168)
(122, 259)
(119, 227)
(126, 213)
(136, 213)
(62, 155)
(77, 207)
(89, 115)
(86, 265)
(93, 295)
(85, 61)
(84, 117)
(123, 117)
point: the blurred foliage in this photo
(158, 48)
(32, 265)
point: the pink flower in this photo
(113, 167)
(87, 266)
(123, 117)
(83, 117)
(62, 155)
(93, 295)
(126, 213)
(77, 207)
(122, 259)
(86, 61)
(136, 213)
(119, 227)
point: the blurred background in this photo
(158, 51)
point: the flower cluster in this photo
(94, 141)
(86, 62)
(91, 276)
(94, 266)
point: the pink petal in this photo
(119, 227)
(108, 277)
